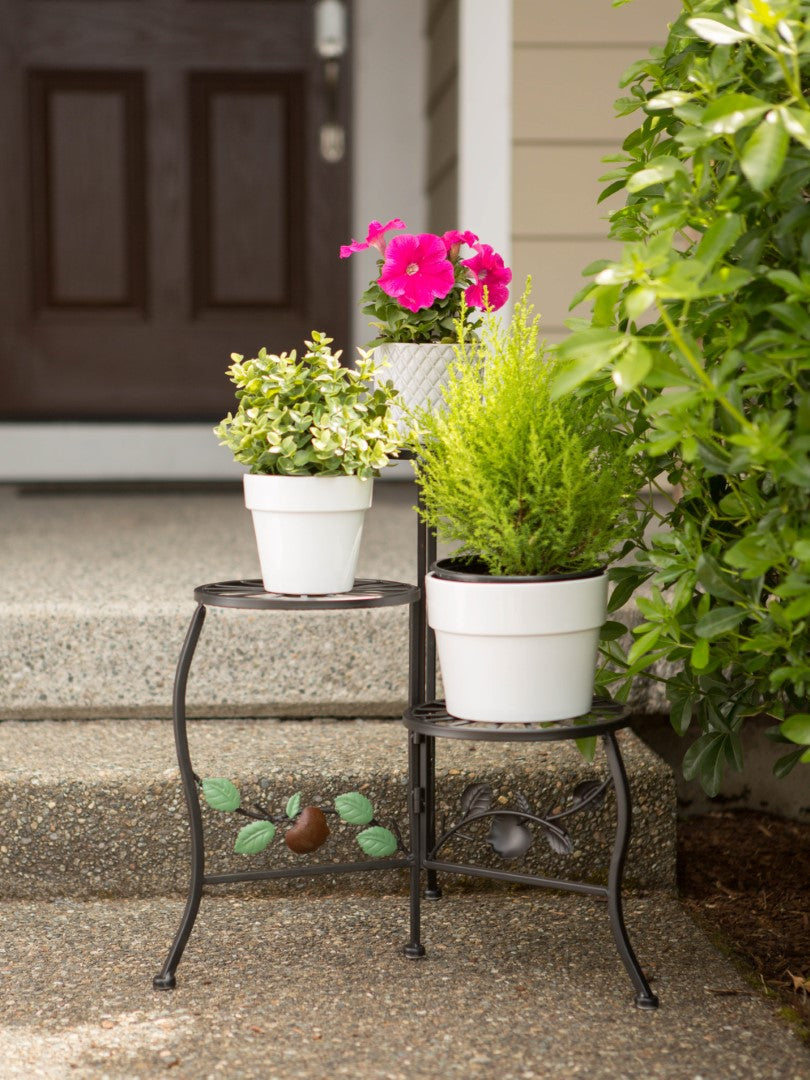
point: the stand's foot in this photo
(164, 982)
(647, 1001)
(433, 892)
(414, 951)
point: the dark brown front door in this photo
(163, 201)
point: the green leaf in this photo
(764, 153)
(658, 171)
(699, 658)
(714, 580)
(797, 728)
(724, 231)
(732, 112)
(633, 367)
(705, 759)
(798, 608)
(221, 794)
(254, 837)
(609, 631)
(377, 842)
(783, 765)
(670, 99)
(354, 808)
(587, 747)
(293, 805)
(642, 645)
(718, 33)
(719, 621)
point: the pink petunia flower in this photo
(416, 270)
(374, 238)
(489, 273)
(454, 239)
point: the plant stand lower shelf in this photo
(428, 722)
(251, 595)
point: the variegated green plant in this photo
(310, 416)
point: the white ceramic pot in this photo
(308, 530)
(517, 651)
(418, 373)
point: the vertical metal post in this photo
(645, 998)
(415, 949)
(166, 980)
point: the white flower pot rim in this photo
(449, 570)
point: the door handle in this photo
(331, 41)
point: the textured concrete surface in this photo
(95, 808)
(99, 595)
(520, 987)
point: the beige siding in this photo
(568, 59)
(442, 115)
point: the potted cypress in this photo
(539, 494)
(314, 434)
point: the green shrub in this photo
(524, 484)
(310, 416)
(703, 326)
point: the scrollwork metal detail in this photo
(509, 834)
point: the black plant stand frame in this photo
(428, 720)
(250, 594)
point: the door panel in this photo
(171, 202)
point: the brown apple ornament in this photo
(309, 832)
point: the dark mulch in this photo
(745, 876)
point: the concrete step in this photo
(99, 592)
(519, 987)
(95, 808)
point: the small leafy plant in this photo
(524, 483)
(310, 416)
(307, 827)
(700, 337)
(424, 285)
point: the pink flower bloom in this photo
(416, 270)
(374, 238)
(488, 272)
(454, 239)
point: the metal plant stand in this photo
(430, 721)
(250, 594)
(427, 720)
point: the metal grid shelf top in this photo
(433, 719)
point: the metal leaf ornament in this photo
(509, 837)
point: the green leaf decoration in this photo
(797, 728)
(764, 153)
(587, 747)
(293, 806)
(254, 837)
(732, 112)
(377, 842)
(354, 808)
(221, 794)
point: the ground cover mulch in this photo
(745, 877)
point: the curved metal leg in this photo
(166, 980)
(645, 998)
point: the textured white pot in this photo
(308, 530)
(418, 373)
(517, 651)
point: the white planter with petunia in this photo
(423, 300)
